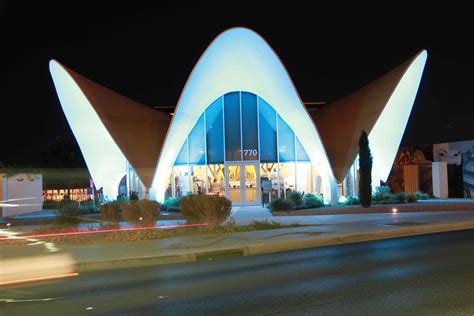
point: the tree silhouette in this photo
(365, 171)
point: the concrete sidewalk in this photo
(327, 230)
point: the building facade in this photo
(239, 129)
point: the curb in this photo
(269, 247)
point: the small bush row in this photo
(205, 208)
(140, 213)
(296, 201)
(382, 195)
(350, 200)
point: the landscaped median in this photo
(211, 245)
(210, 234)
(214, 246)
(428, 206)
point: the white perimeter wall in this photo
(28, 188)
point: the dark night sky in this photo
(146, 52)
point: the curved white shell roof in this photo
(104, 159)
(238, 60)
(385, 137)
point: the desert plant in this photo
(401, 197)
(205, 208)
(352, 201)
(110, 212)
(170, 205)
(365, 170)
(392, 199)
(133, 196)
(421, 195)
(280, 205)
(313, 201)
(68, 216)
(411, 198)
(381, 194)
(140, 213)
(296, 198)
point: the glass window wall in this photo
(268, 139)
(215, 173)
(215, 133)
(249, 126)
(240, 126)
(303, 177)
(286, 142)
(197, 141)
(300, 152)
(233, 174)
(181, 178)
(269, 172)
(182, 158)
(169, 186)
(198, 179)
(287, 178)
(232, 126)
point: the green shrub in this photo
(170, 205)
(383, 190)
(69, 216)
(421, 195)
(391, 199)
(365, 170)
(110, 212)
(133, 196)
(205, 208)
(313, 201)
(296, 198)
(411, 198)
(381, 194)
(401, 197)
(140, 213)
(122, 199)
(352, 201)
(90, 209)
(280, 205)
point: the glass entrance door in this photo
(242, 183)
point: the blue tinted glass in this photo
(183, 154)
(268, 141)
(249, 126)
(197, 149)
(300, 152)
(232, 126)
(286, 141)
(214, 132)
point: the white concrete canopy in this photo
(239, 60)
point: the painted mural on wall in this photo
(459, 154)
(412, 155)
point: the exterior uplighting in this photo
(394, 210)
(342, 199)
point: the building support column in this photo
(334, 188)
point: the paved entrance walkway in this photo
(246, 214)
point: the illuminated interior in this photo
(238, 141)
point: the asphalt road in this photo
(431, 274)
